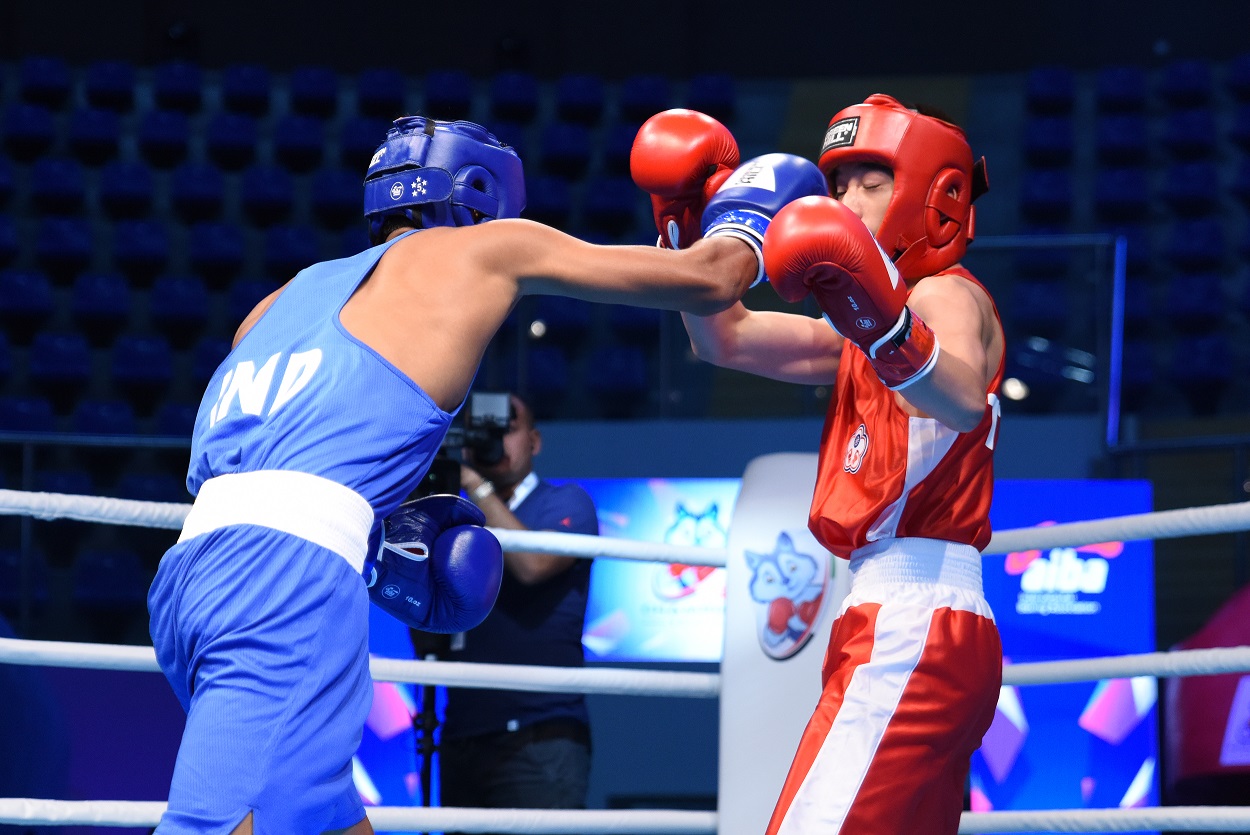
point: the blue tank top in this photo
(301, 393)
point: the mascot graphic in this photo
(788, 588)
(675, 581)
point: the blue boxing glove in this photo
(745, 203)
(438, 569)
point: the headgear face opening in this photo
(438, 173)
(930, 220)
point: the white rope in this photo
(1175, 664)
(674, 822)
(1163, 524)
(93, 509)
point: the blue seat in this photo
(1195, 302)
(246, 88)
(1239, 128)
(289, 249)
(100, 306)
(163, 137)
(642, 96)
(612, 205)
(566, 149)
(178, 306)
(1187, 83)
(1190, 134)
(59, 365)
(44, 80)
(359, 138)
(353, 241)
(620, 380)
(314, 91)
(140, 249)
(126, 189)
(548, 200)
(230, 140)
(12, 576)
(448, 94)
(636, 325)
(94, 135)
(6, 182)
(1240, 187)
(1039, 308)
(579, 98)
(547, 378)
(176, 420)
(1048, 141)
(199, 193)
(9, 247)
(63, 247)
(1121, 139)
(216, 251)
(1191, 189)
(26, 303)
(1046, 196)
(1121, 195)
(714, 94)
(1049, 90)
(336, 199)
(1203, 368)
(1121, 89)
(56, 186)
(207, 355)
(1196, 245)
(267, 194)
(28, 131)
(178, 85)
(1237, 77)
(381, 93)
(104, 417)
(109, 578)
(1138, 307)
(514, 135)
(298, 142)
(565, 321)
(61, 538)
(26, 413)
(244, 295)
(141, 369)
(110, 85)
(1137, 375)
(6, 359)
(514, 96)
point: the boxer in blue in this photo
(327, 414)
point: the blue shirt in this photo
(540, 624)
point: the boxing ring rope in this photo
(1160, 525)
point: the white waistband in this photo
(321, 511)
(917, 560)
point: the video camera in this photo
(486, 420)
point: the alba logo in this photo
(1064, 571)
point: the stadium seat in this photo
(514, 135)
(246, 89)
(110, 85)
(1196, 245)
(1042, 261)
(140, 249)
(514, 96)
(28, 131)
(110, 591)
(59, 366)
(163, 137)
(44, 80)
(617, 143)
(636, 325)
(336, 197)
(1137, 374)
(289, 249)
(1049, 90)
(359, 138)
(151, 543)
(9, 247)
(1048, 141)
(6, 359)
(199, 192)
(579, 98)
(1239, 128)
(6, 182)
(63, 247)
(57, 186)
(381, 93)
(26, 303)
(1186, 83)
(242, 296)
(230, 140)
(566, 149)
(547, 379)
(620, 381)
(216, 252)
(1046, 196)
(548, 200)
(1121, 89)
(1138, 307)
(178, 306)
(13, 576)
(448, 94)
(642, 96)
(1195, 302)
(208, 354)
(1121, 195)
(178, 85)
(94, 135)
(611, 205)
(566, 321)
(1237, 77)
(714, 94)
(354, 240)
(26, 413)
(1121, 139)
(267, 194)
(314, 91)
(104, 417)
(100, 306)
(1190, 134)
(1191, 189)
(126, 190)
(176, 420)
(141, 369)
(61, 538)
(1039, 308)
(1202, 368)
(1240, 187)
(298, 142)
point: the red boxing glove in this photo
(818, 245)
(681, 157)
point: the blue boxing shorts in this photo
(264, 638)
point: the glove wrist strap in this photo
(907, 353)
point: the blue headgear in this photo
(438, 173)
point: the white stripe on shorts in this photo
(308, 506)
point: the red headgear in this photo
(930, 219)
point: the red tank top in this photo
(884, 474)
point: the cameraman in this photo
(506, 749)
